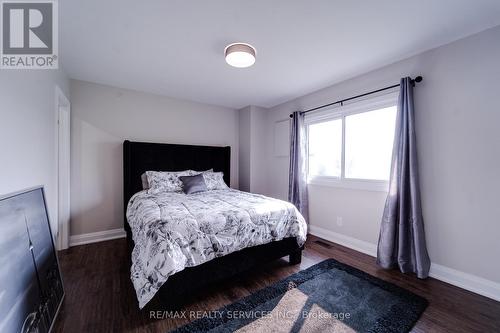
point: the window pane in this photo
(325, 148)
(369, 138)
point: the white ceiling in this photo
(175, 48)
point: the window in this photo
(351, 146)
(368, 144)
(325, 148)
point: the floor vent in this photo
(324, 244)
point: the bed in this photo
(174, 239)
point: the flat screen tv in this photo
(31, 289)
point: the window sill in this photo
(353, 184)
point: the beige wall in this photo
(457, 120)
(259, 145)
(346, 211)
(28, 126)
(245, 146)
(252, 121)
(103, 117)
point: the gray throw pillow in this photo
(193, 184)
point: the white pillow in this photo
(166, 181)
(215, 181)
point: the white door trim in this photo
(63, 130)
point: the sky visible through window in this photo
(325, 148)
(369, 139)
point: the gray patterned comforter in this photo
(172, 230)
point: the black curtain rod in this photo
(417, 79)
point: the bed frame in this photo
(139, 157)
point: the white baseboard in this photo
(452, 276)
(95, 237)
(352, 243)
(466, 281)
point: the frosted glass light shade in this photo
(240, 55)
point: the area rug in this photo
(327, 297)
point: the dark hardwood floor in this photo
(100, 296)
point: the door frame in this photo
(63, 136)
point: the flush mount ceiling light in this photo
(240, 55)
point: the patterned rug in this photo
(327, 297)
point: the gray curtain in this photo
(297, 181)
(402, 237)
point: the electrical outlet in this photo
(340, 221)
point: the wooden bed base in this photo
(139, 157)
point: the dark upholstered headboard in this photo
(139, 157)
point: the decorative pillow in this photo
(166, 181)
(193, 184)
(214, 181)
(145, 183)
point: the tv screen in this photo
(31, 289)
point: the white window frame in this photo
(341, 112)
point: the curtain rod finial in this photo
(419, 79)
